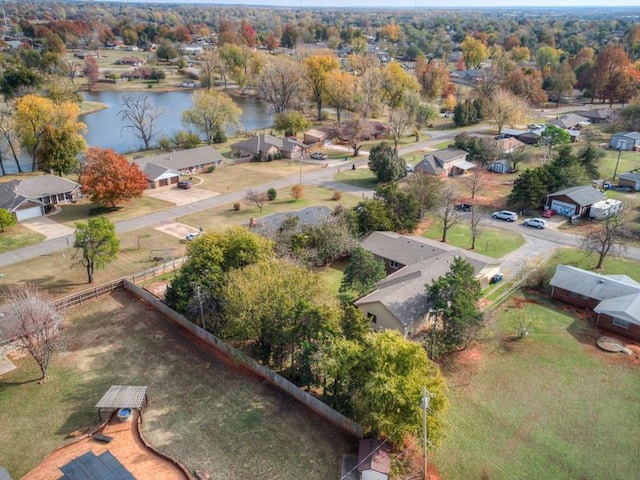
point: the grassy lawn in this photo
(360, 177)
(231, 425)
(491, 242)
(60, 273)
(18, 236)
(82, 210)
(549, 406)
(224, 217)
(333, 274)
(628, 161)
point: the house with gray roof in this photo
(400, 301)
(263, 145)
(615, 299)
(625, 141)
(28, 197)
(570, 121)
(574, 200)
(601, 115)
(448, 162)
(269, 225)
(165, 169)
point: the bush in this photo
(211, 169)
(337, 195)
(297, 191)
(164, 143)
(191, 140)
(272, 193)
(236, 206)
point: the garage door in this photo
(566, 209)
(28, 213)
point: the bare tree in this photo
(476, 182)
(209, 65)
(475, 224)
(37, 324)
(281, 83)
(447, 213)
(610, 236)
(399, 120)
(139, 115)
(427, 189)
(253, 197)
(9, 134)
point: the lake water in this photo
(104, 128)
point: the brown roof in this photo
(375, 455)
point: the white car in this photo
(192, 235)
(319, 156)
(505, 215)
(535, 222)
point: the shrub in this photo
(191, 140)
(337, 195)
(236, 206)
(272, 193)
(297, 191)
(164, 143)
(211, 169)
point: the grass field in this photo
(491, 242)
(209, 415)
(550, 406)
(360, 177)
(578, 258)
(18, 236)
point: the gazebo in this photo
(122, 396)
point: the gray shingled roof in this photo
(154, 171)
(9, 199)
(434, 162)
(44, 185)
(182, 159)
(626, 308)
(311, 216)
(569, 120)
(632, 135)
(593, 285)
(583, 195)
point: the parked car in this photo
(319, 156)
(463, 207)
(535, 222)
(192, 235)
(548, 213)
(505, 215)
(496, 278)
(186, 184)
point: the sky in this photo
(408, 3)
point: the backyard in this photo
(551, 405)
(230, 424)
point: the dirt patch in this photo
(158, 289)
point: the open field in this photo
(549, 406)
(492, 242)
(360, 177)
(220, 218)
(18, 236)
(231, 425)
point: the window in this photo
(621, 323)
(372, 318)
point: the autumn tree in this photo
(211, 114)
(97, 244)
(290, 122)
(59, 149)
(561, 81)
(37, 324)
(91, 70)
(474, 52)
(209, 66)
(397, 85)
(139, 116)
(319, 68)
(547, 58)
(433, 76)
(340, 91)
(610, 236)
(281, 83)
(36, 117)
(526, 83)
(614, 76)
(504, 108)
(109, 179)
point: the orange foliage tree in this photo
(109, 179)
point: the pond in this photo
(104, 128)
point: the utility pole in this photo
(426, 396)
(617, 162)
(199, 296)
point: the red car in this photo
(548, 213)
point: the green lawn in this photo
(491, 242)
(628, 161)
(360, 177)
(550, 406)
(333, 274)
(18, 236)
(202, 411)
(577, 258)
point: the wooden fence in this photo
(237, 356)
(105, 289)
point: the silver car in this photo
(507, 215)
(535, 222)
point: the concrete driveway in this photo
(176, 229)
(47, 227)
(181, 196)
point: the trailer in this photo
(605, 209)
